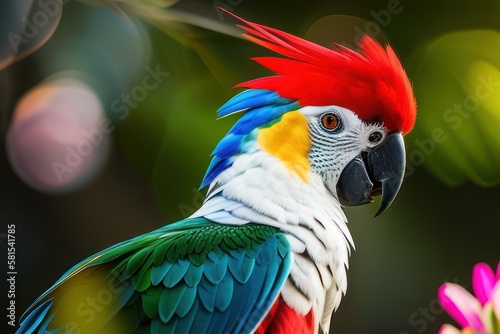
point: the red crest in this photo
(372, 83)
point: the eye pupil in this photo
(375, 137)
(330, 121)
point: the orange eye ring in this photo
(330, 122)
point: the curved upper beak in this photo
(378, 171)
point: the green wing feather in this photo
(193, 276)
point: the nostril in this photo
(375, 137)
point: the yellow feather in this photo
(289, 141)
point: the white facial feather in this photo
(332, 151)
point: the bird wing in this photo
(193, 276)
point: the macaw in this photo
(268, 250)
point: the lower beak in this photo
(379, 171)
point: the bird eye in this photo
(376, 137)
(330, 122)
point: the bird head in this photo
(334, 113)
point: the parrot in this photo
(268, 250)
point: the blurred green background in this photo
(160, 70)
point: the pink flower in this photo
(479, 314)
(483, 281)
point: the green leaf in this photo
(456, 80)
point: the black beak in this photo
(379, 171)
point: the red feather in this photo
(282, 319)
(372, 83)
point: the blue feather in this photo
(193, 275)
(246, 268)
(186, 323)
(176, 273)
(220, 323)
(158, 327)
(215, 271)
(206, 291)
(200, 322)
(283, 247)
(267, 253)
(234, 263)
(171, 327)
(265, 276)
(244, 307)
(228, 146)
(224, 293)
(169, 301)
(252, 252)
(276, 270)
(155, 326)
(158, 273)
(259, 116)
(267, 290)
(216, 167)
(223, 315)
(261, 107)
(35, 318)
(248, 99)
(186, 302)
(241, 266)
(215, 256)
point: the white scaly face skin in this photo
(333, 149)
(259, 187)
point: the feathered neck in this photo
(257, 188)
